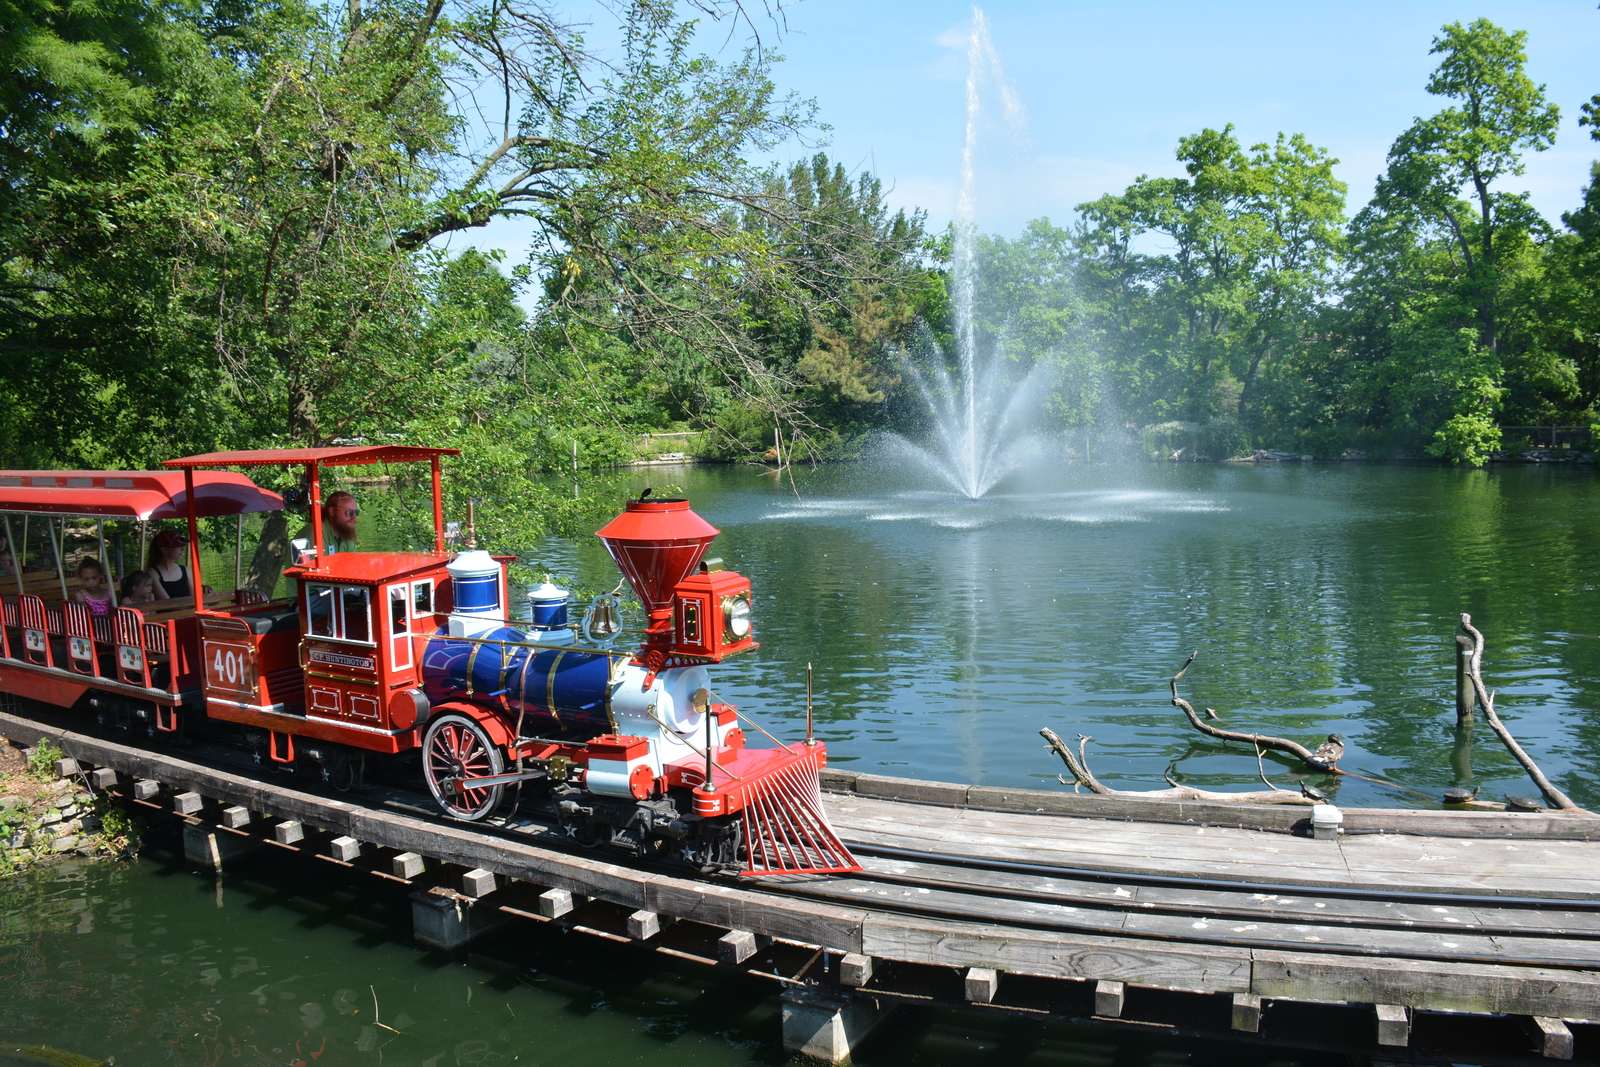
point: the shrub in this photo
(1223, 438)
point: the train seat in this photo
(271, 622)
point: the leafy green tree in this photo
(1254, 238)
(1443, 246)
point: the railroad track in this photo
(1456, 927)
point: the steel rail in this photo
(1263, 913)
(1179, 881)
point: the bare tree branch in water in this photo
(1078, 764)
(1556, 797)
(1277, 744)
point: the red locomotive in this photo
(391, 652)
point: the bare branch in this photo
(1279, 744)
(1556, 797)
(1079, 766)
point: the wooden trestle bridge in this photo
(1470, 937)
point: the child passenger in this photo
(138, 588)
(92, 588)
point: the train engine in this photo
(634, 750)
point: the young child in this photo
(138, 588)
(92, 588)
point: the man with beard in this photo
(339, 513)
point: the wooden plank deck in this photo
(1338, 927)
(1376, 861)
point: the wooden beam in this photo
(554, 903)
(736, 946)
(1247, 1013)
(1108, 998)
(643, 925)
(1394, 1025)
(1054, 954)
(855, 970)
(1555, 1040)
(1435, 985)
(981, 984)
(477, 883)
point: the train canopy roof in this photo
(350, 456)
(132, 494)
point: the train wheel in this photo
(453, 748)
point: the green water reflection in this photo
(291, 961)
(1322, 599)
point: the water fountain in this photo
(979, 416)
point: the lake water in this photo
(1322, 599)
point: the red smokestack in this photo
(656, 544)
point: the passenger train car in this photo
(389, 653)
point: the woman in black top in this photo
(171, 577)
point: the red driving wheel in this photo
(455, 749)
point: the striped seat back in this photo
(133, 662)
(79, 625)
(35, 631)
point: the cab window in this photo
(319, 605)
(353, 613)
(340, 612)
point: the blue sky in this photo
(1108, 89)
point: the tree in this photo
(1253, 236)
(1443, 246)
(1470, 147)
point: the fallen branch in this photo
(1079, 766)
(1280, 744)
(1556, 797)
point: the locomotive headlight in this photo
(736, 616)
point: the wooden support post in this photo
(1108, 999)
(643, 925)
(736, 946)
(981, 984)
(66, 768)
(103, 778)
(188, 803)
(344, 849)
(1466, 699)
(1555, 1040)
(407, 865)
(477, 882)
(1247, 1013)
(855, 970)
(554, 903)
(144, 789)
(1394, 1025)
(288, 832)
(235, 817)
